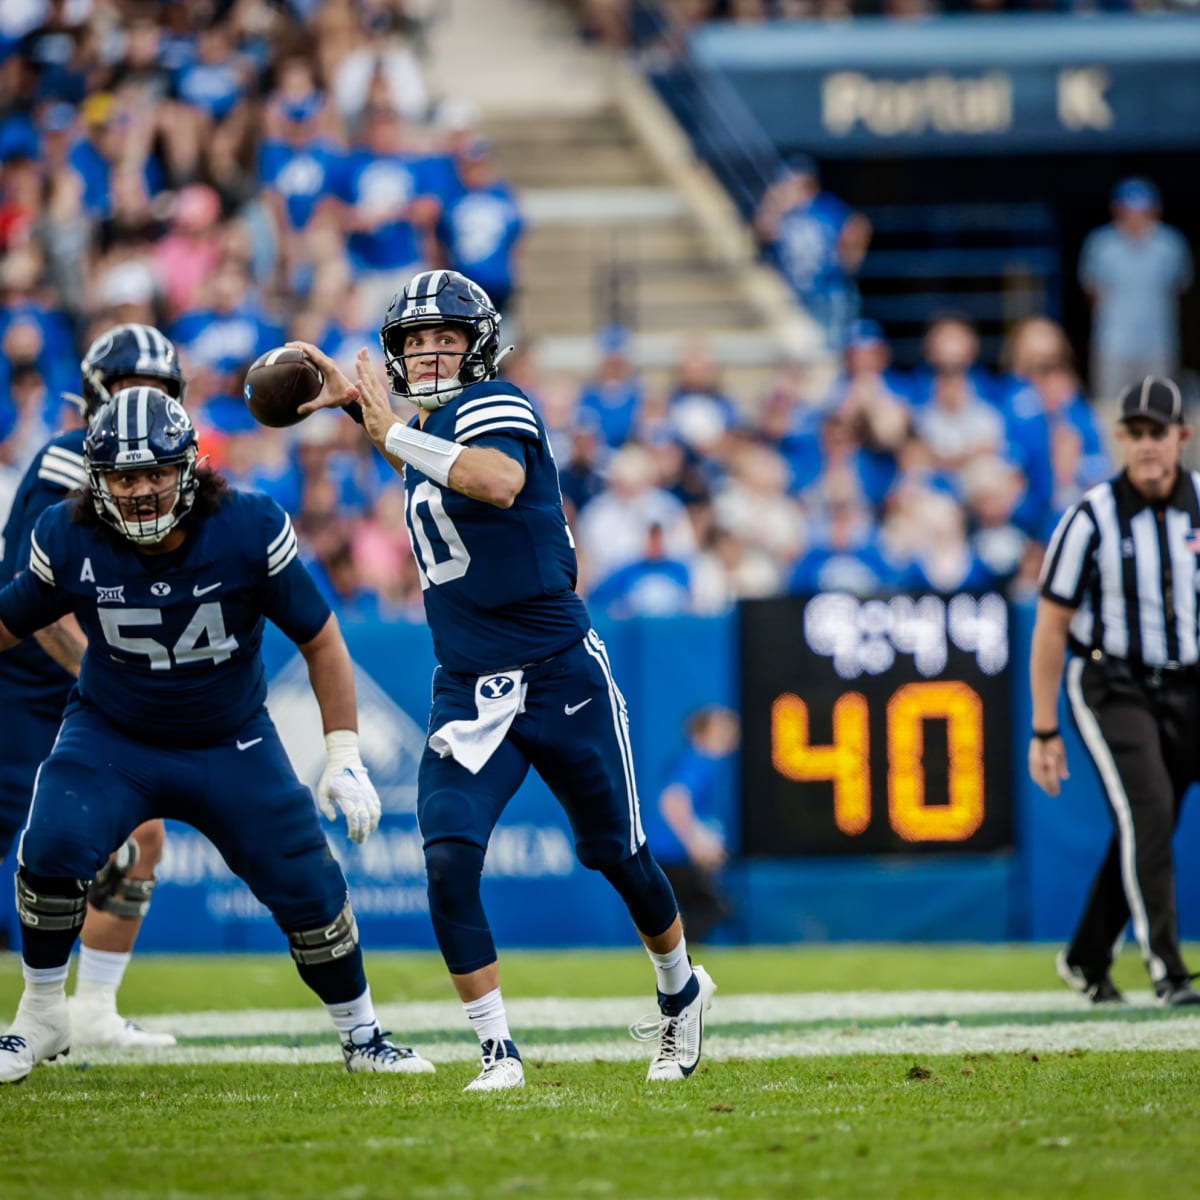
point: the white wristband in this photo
(341, 749)
(432, 456)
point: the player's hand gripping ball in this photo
(277, 383)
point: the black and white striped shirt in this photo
(1130, 567)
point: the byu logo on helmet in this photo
(128, 352)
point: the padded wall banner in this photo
(536, 891)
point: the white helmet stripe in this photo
(143, 345)
(143, 418)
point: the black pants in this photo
(702, 904)
(1142, 733)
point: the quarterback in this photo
(523, 680)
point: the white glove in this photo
(346, 785)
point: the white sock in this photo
(44, 986)
(100, 972)
(673, 968)
(351, 1015)
(487, 1017)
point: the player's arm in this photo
(65, 642)
(7, 639)
(291, 600)
(32, 600)
(704, 848)
(331, 673)
(481, 472)
(1047, 755)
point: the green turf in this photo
(1038, 1127)
(1118, 1125)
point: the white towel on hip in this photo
(498, 700)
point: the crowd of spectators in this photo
(241, 173)
(945, 478)
(620, 24)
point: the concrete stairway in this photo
(623, 221)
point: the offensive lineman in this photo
(523, 679)
(36, 678)
(172, 574)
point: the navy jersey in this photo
(28, 675)
(173, 639)
(499, 583)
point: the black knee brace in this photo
(312, 947)
(114, 892)
(647, 893)
(51, 905)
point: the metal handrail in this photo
(724, 133)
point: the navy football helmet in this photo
(441, 298)
(138, 429)
(123, 352)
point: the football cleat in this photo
(502, 1068)
(35, 1036)
(96, 1023)
(368, 1050)
(678, 1028)
(1177, 993)
(1102, 991)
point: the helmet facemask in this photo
(148, 517)
(142, 429)
(474, 365)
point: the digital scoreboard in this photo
(875, 726)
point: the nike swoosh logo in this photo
(246, 745)
(572, 709)
(212, 587)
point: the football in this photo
(277, 383)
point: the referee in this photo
(1119, 591)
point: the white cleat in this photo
(368, 1051)
(35, 1036)
(679, 1036)
(101, 1025)
(502, 1068)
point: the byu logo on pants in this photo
(497, 686)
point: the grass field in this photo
(829, 1072)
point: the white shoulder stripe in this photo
(283, 533)
(493, 413)
(62, 475)
(283, 562)
(494, 398)
(39, 562)
(508, 426)
(67, 456)
(281, 557)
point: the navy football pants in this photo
(575, 733)
(26, 737)
(99, 784)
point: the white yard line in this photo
(618, 1011)
(427, 1024)
(1179, 1034)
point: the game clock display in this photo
(875, 726)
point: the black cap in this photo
(1154, 399)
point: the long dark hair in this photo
(211, 491)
